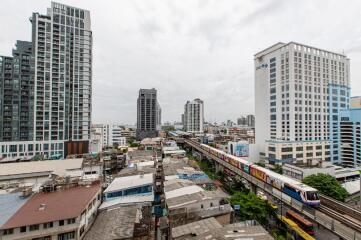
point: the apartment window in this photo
(287, 149)
(61, 222)
(8, 231)
(309, 148)
(34, 227)
(48, 225)
(66, 236)
(23, 229)
(71, 220)
(271, 149)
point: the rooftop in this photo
(236, 231)
(185, 199)
(58, 167)
(127, 200)
(117, 223)
(187, 190)
(196, 228)
(9, 204)
(130, 182)
(65, 204)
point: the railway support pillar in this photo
(333, 225)
(253, 188)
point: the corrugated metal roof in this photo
(9, 204)
(183, 191)
(57, 167)
(130, 182)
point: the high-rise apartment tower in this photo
(51, 79)
(194, 116)
(148, 114)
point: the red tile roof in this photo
(68, 203)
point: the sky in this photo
(190, 49)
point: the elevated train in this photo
(296, 190)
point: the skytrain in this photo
(296, 190)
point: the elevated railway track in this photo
(339, 218)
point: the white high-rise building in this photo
(108, 135)
(194, 116)
(299, 92)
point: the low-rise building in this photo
(186, 208)
(123, 222)
(305, 152)
(64, 214)
(235, 231)
(195, 228)
(130, 185)
(38, 172)
(150, 144)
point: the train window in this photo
(312, 196)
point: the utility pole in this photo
(162, 223)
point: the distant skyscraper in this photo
(194, 116)
(242, 121)
(55, 90)
(299, 91)
(250, 120)
(148, 114)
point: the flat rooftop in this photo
(196, 228)
(183, 191)
(186, 198)
(59, 205)
(58, 167)
(234, 232)
(116, 223)
(127, 182)
(127, 200)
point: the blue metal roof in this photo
(9, 205)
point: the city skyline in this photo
(211, 50)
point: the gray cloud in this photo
(189, 48)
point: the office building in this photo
(194, 116)
(51, 94)
(250, 121)
(349, 134)
(299, 92)
(148, 114)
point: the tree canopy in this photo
(251, 206)
(327, 185)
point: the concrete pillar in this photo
(253, 188)
(217, 167)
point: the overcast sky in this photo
(190, 49)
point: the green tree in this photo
(327, 185)
(251, 206)
(168, 128)
(133, 145)
(261, 164)
(278, 169)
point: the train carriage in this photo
(292, 188)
